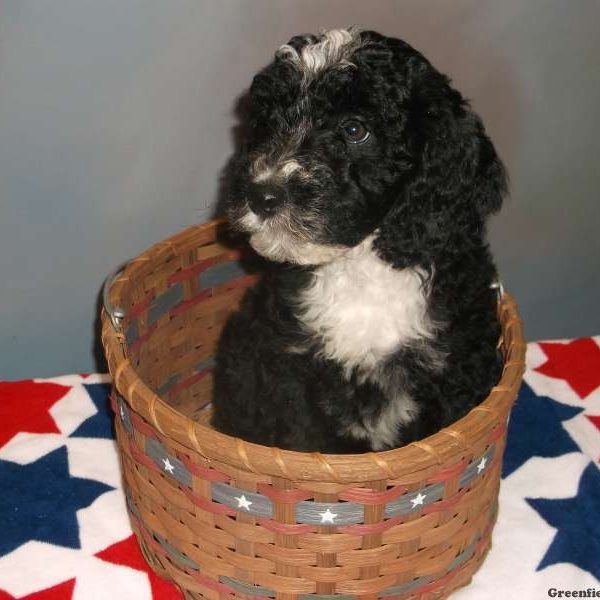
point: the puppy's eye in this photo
(355, 132)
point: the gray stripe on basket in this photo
(329, 513)
(462, 558)
(473, 470)
(132, 333)
(170, 549)
(132, 507)
(247, 588)
(166, 301)
(242, 500)
(408, 503)
(168, 384)
(406, 587)
(168, 464)
(207, 363)
(174, 553)
(124, 414)
(203, 365)
(326, 597)
(219, 274)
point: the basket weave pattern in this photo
(222, 517)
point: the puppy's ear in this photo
(457, 179)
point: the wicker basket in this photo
(225, 518)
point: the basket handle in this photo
(499, 287)
(115, 313)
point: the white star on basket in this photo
(418, 499)
(243, 502)
(327, 516)
(481, 465)
(168, 466)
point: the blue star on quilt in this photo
(577, 521)
(99, 425)
(535, 429)
(39, 501)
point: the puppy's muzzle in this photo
(264, 200)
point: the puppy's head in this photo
(354, 133)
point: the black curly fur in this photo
(423, 184)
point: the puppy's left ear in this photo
(457, 179)
(482, 174)
(455, 155)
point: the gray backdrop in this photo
(116, 117)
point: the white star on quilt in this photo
(168, 466)
(243, 502)
(327, 516)
(418, 499)
(481, 465)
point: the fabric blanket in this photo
(65, 534)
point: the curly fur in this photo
(374, 324)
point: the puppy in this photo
(366, 182)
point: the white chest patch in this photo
(363, 309)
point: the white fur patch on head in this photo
(262, 172)
(332, 49)
(363, 310)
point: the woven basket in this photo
(226, 518)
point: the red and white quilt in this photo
(65, 534)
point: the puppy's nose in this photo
(264, 200)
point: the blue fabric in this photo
(99, 425)
(577, 540)
(535, 429)
(53, 499)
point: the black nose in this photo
(264, 200)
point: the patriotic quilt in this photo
(65, 533)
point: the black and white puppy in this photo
(366, 181)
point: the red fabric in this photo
(24, 406)
(127, 552)
(595, 420)
(62, 591)
(577, 362)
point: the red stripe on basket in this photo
(202, 266)
(142, 427)
(438, 583)
(182, 385)
(216, 586)
(238, 282)
(209, 505)
(203, 472)
(183, 306)
(483, 542)
(369, 496)
(497, 432)
(137, 309)
(448, 472)
(443, 504)
(149, 539)
(113, 403)
(142, 338)
(368, 528)
(290, 528)
(284, 496)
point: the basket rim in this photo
(221, 448)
